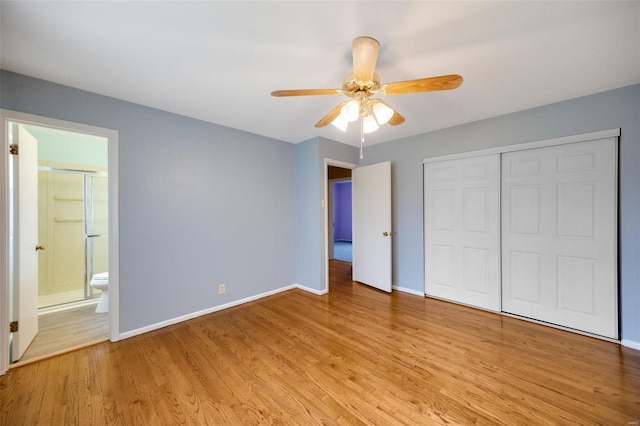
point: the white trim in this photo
(4, 245)
(114, 238)
(630, 344)
(616, 231)
(312, 290)
(528, 145)
(207, 311)
(329, 162)
(114, 233)
(338, 163)
(408, 290)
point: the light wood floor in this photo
(353, 356)
(58, 331)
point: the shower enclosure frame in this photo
(88, 219)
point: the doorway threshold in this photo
(56, 353)
(67, 306)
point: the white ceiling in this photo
(219, 61)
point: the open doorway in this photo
(340, 214)
(339, 218)
(371, 225)
(73, 219)
(61, 171)
(73, 232)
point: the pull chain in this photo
(361, 135)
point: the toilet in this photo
(101, 282)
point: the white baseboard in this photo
(311, 290)
(182, 318)
(630, 344)
(409, 290)
(624, 342)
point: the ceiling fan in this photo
(365, 83)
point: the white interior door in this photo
(559, 226)
(25, 287)
(462, 230)
(371, 186)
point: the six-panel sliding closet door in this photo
(559, 225)
(462, 230)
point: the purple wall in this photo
(342, 210)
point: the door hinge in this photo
(13, 326)
(13, 149)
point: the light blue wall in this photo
(200, 204)
(308, 210)
(310, 227)
(613, 109)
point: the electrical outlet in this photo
(222, 288)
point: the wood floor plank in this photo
(353, 356)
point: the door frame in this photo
(114, 261)
(325, 203)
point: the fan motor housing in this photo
(353, 87)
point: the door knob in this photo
(39, 247)
(385, 233)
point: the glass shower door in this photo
(96, 238)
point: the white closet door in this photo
(462, 230)
(559, 211)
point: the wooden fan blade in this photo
(365, 55)
(430, 84)
(396, 119)
(331, 115)
(307, 92)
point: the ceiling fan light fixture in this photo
(382, 113)
(350, 111)
(369, 124)
(340, 123)
(364, 83)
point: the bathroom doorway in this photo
(74, 197)
(72, 215)
(72, 237)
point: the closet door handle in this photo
(39, 247)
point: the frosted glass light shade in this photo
(382, 112)
(350, 111)
(340, 123)
(369, 124)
